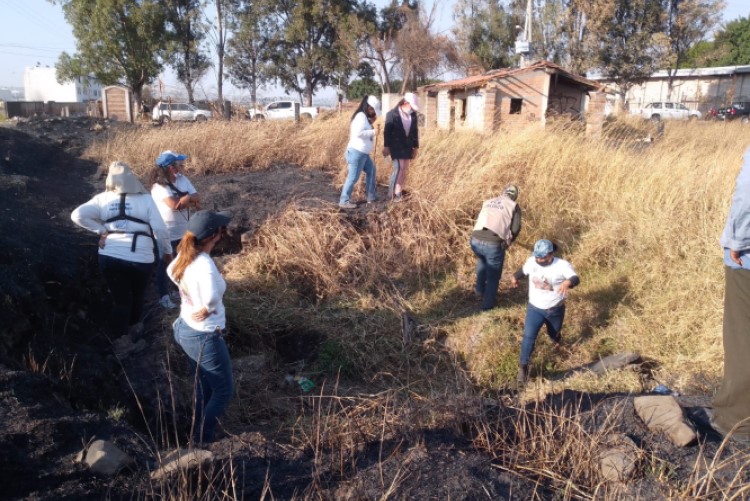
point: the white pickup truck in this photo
(282, 110)
(667, 111)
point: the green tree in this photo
(311, 43)
(185, 54)
(362, 87)
(376, 33)
(733, 43)
(687, 22)
(117, 41)
(625, 39)
(248, 57)
(485, 33)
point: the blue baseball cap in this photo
(167, 158)
(543, 247)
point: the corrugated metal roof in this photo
(481, 80)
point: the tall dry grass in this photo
(640, 222)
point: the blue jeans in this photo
(535, 319)
(490, 259)
(127, 282)
(162, 280)
(209, 357)
(357, 162)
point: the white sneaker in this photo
(348, 205)
(167, 303)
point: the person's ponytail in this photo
(187, 250)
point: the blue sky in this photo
(35, 31)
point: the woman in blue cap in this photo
(550, 279)
(200, 328)
(175, 196)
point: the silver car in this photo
(165, 112)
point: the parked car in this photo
(736, 111)
(666, 110)
(165, 112)
(281, 110)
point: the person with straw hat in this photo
(129, 226)
(496, 228)
(401, 142)
(175, 196)
(550, 279)
(361, 136)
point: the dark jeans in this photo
(127, 282)
(209, 357)
(162, 280)
(535, 319)
(490, 259)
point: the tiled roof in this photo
(481, 80)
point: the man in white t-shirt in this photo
(176, 198)
(550, 279)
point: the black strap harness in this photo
(122, 216)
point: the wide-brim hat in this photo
(205, 223)
(121, 179)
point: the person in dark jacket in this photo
(401, 142)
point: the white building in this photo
(697, 88)
(40, 84)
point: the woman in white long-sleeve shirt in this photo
(127, 221)
(361, 138)
(199, 330)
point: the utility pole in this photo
(523, 40)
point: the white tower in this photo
(523, 42)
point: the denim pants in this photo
(212, 366)
(357, 162)
(162, 280)
(127, 282)
(490, 259)
(535, 319)
(398, 178)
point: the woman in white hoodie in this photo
(361, 138)
(128, 223)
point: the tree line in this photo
(305, 45)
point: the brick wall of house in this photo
(491, 109)
(532, 88)
(429, 108)
(595, 113)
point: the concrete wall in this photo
(40, 84)
(700, 92)
(117, 103)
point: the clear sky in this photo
(35, 31)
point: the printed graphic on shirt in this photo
(495, 203)
(541, 283)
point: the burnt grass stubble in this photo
(59, 379)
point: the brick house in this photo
(507, 98)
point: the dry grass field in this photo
(640, 221)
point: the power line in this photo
(25, 11)
(42, 49)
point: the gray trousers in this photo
(732, 401)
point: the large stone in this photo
(618, 458)
(662, 413)
(105, 458)
(181, 459)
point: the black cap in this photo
(205, 223)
